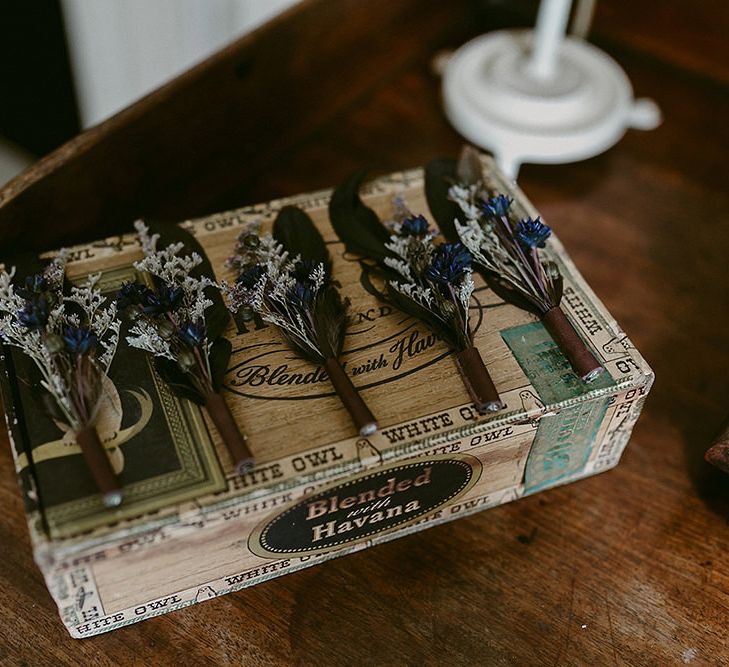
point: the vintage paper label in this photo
(366, 505)
(563, 441)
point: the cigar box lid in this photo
(168, 454)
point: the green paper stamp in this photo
(564, 441)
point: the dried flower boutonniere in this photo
(507, 249)
(72, 340)
(180, 320)
(286, 279)
(429, 281)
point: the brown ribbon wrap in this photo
(233, 439)
(574, 348)
(718, 453)
(363, 419)
(99, 465)
(476, 377)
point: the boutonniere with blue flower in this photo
(286, 279)
(508, 249)
(179, 318)
(72, 338)
(426, 279)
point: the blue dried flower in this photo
(448, 265)
(35, 284)
(532, 233)
(300, 295)
(132, 294)
(497, 207)
(166, 299)
(250, 277)
(193, 335)
(35, 313)
(414, 226)
(79, 340)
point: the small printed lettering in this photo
(316, 459)
(257, 506)
(333, 503)
(370, 366)
(410, 346)
(260, 475)
(581, 312)
(256, 375)
(490, 436)
(418, 428)
(332, 528)
(99, 623)
(257, 572)
(450, 448)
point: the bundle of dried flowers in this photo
(507, 250)
(180, 319)
(72, 340)
(428, 280)
(286, 279)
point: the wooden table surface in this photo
(628, 567)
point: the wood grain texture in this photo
(628, 567)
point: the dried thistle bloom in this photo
(291, 287)
(430, 281)
(72, 340)
(178, 320)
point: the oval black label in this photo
(371, 503)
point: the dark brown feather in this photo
(357, 225)
(296, 232)
(439, 176)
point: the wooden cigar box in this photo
(190, 529)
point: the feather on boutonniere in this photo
(180, 320)
(285, 278)
(72, 338)
(506, 248)
(427, 280)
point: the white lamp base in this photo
(494, 101)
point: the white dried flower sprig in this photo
(169, 319)
(283, 291)
(71, 339)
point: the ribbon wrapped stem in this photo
(478, 382)
(234, 440)
(582, 360)
(100, 467)
(363, 419)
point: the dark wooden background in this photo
(629, 567)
